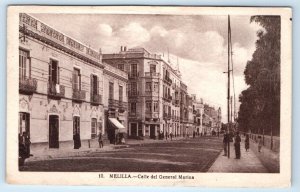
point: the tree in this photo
(260, 103)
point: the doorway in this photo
(53, 131)
(76, 132)
(152, 131)
(133, 129)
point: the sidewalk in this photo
(58, 153)
(249, 162)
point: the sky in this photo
(198, 42)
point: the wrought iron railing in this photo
(152, 74)
(56, 90)
(96, 99)
(27, 85)
(78, 95)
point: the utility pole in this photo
(231, 115)
(228, 89)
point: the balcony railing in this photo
(133, 75)
(167, 116)
(96, 99)
(151, 74)
(56, 90)
(113, 103)
(123, 105)
(133, 94)
(151, 114)
(167, 98)
(78, 95)
(168, 80)
(27, 85)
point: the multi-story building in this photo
(60, 88)
(115, 103)
(153, 111)
(198, 109)
(184, 108)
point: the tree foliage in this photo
(260, 103)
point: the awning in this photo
(116, 123)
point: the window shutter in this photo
(74, 81)
(92, 86)
(97, 90)
(58, 75)
(50, 72)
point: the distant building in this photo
(115, 103)
(60, 88)
(184, 108)
(153, 92)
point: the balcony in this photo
(113, 104)
(133, 75)
(27, 85)
(151, 75)
(123, 105)
(56, 90)
(167, 116)
(133, 94)
(96, 99)
(168, 80)
(167, 98)
(78, 95)
(151, 115)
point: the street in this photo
(187, 155)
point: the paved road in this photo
(189, 155)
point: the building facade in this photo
(60, 88)
(115, 103)
(153, 93)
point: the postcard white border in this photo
(282, 179)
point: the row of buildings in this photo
(68, 90)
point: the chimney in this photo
(121, 48)
(125, 48)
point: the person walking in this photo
(225, 142)
(100, 141)
(237, 146)
(247, 143)
(171, 135)
(260, 143)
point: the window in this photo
(121, 67)
(155, 106)
(133, 107)
(53, 72)
(94, 128)
(24, 64)
(111, 90)
(133, 88)
(76, 79)
(120, 93)
(152, 68)
(133, 71)
(148, 106)
(148, 86)
(155, 87)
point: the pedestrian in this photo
(166, 135)
(171, 135)
(260, 143)
(100, 141)
(237, 146)
(225, 143)
(247, 143)
(194, 134)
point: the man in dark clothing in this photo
(237, 146)
(225, 143)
